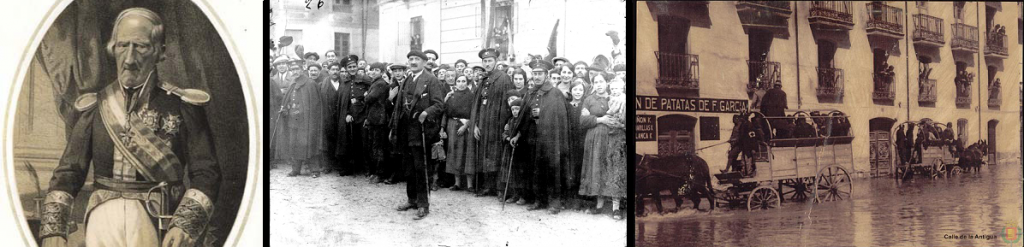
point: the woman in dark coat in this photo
(456, 109)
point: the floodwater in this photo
(916, 212)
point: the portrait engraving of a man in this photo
(150, 148)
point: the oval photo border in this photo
(255, 146)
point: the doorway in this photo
(992, 158)
(880, 146)
(675, 134)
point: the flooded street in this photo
(917, 212)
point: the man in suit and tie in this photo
(414, 125)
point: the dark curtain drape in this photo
(73, 56)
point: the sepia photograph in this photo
(130, 128)
(827, 123)
(447, 123)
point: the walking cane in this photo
(509, 176)
(423, 140)
(273, 134)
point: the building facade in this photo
(459, 29)
(346, 26)
(881, 63)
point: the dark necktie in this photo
(129, 97)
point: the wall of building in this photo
(317, 26)
(454, 28)
(719, 40)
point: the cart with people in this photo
(804, 155)
(927, 148)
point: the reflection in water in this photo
(883, 212)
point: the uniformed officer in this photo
(352, 113)
(139, 134)
(414, 125)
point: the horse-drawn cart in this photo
(814, 165)
(794, 168)
(934, 158)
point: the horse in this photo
(973, 156)
(685, 172)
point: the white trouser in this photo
(120, 222)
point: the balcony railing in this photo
(781, 7)
(963, 96)
(994, 98)
(965, 38)
(884, 20)
(927, 93)
(763, 74)
(995, 44)
(884, 90)
(830, 82)
(928, 30)
(831, 13)
(680, 71)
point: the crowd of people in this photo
(547, 134)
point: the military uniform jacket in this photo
(164, 139)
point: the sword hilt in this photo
(160, 213)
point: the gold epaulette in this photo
(85, 101)
(189, 95)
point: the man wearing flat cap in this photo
(350, 116)
(142, 137)
(414, 126)
(487, 119)
(431, 56)
(560, 61)
(460, 66)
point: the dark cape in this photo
(301, 127)
(328, 96)
(548, 134)
(490, 112)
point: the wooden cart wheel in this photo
(938, 169)
(833, 184)
(763, 198)
(799, 192)
(955, 171)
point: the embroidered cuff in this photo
(56, 210)
(193, 213)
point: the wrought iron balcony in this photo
(777, 7)
(994, 98)
(995, 44)
(884, 20)
(965, 38)
(927, 91)
(831, 14)
(928, 30)
(678, 71)
(763, 74)
(884, 90)
(830, 82)
(963, 96)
